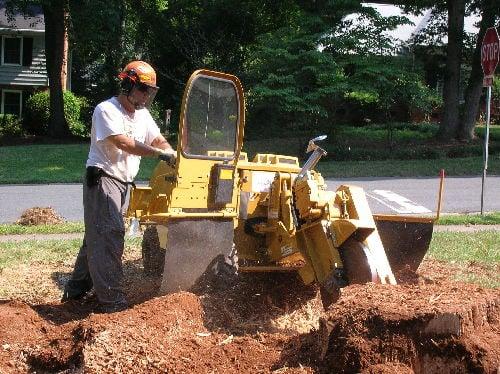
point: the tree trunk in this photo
(448, 128)
(64, 69)
(55, 34)
(475, 84)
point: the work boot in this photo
(111, 308)
(75, 290)
(89, 298)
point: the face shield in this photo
(142, 95)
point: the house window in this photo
(27, 51)
(12, 102)
(11, 50)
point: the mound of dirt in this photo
(39, 216)
(263, 323)
(445, 327)
(23, 332)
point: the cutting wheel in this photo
(194, 247)
(358, 262)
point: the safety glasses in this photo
(144, 88)
(151, 92)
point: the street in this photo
(385, 195)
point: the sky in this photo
(404, 32)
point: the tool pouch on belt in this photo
(92, 176)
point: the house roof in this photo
(18, 21)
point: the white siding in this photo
(34, 75)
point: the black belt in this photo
(94, 173)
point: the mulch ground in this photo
(263, 323)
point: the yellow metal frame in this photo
(297, 223)
(241, 109)
(184, 191)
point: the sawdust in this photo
(39, 216)
(261, 323)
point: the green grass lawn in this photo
(460, 247)
(29, 251)
(57, 163)
(65, 163)
(14, 253)
(480, 249)
(470, 219)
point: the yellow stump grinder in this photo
(215, 210)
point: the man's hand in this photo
(167, 155)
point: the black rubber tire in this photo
(153, 257)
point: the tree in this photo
(490, 10)
(291, 83)
(451, 92)
(56, 17)
(102, 42)
(296, 85)
(455, 125)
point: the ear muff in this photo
(127, 84)
(129, 80)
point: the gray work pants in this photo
(99, 262)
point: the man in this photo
(122, 131)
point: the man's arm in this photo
(135, 147)
(161, 142)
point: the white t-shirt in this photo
(110, 118)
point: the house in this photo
(22, 58)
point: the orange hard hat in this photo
(139, 72)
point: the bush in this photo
(36, 114)
(36, 118)
(73, 106)
(345, 153)
(494, 148)
(10, 126)
(420, 153)
(494, 132)
(465, 151)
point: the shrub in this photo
(347, 153)
(494, 132)
(494, 148)
(10, 126)
(36, 119)
(419, 153)
(73, 106)
(36, 114)
(465, 151)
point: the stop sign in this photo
(490, 52)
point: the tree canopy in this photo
(304, 64)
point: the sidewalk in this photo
(69, 236)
